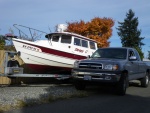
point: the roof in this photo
(69, 33)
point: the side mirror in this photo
(132, 58)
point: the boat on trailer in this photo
(57, 54)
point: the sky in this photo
(46, 14)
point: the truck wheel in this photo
(122, 85)
(145, 81)
(79, 85)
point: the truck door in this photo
(132, 65)
(142, 67)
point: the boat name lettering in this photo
(31, 48)
(79, 50)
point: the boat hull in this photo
(45, 59)
(40, 69)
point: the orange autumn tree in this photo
(99, 29)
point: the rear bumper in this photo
(97, 76)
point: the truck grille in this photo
(91, 65)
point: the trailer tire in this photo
(79, 85)
(145, 81)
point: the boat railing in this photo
(31, 35)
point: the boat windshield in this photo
(66, 39)
(55, 38)
(114, 53)
(61, 38)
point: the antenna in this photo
(49, 29)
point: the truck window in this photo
(131, 53)
(110, 53)
(137, 55)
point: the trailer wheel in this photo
(145, 81)
(122, 85)
(79, 85)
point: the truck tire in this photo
(122, 85)
(79, 85)
(145, 81)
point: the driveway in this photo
(100, 100)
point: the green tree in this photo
(130, 34)
(2, 42)
(149, 55)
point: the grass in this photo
(79, 94)
(49, 99)
(5, 108)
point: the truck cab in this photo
(111, 65)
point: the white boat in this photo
(56, 54)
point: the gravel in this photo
(10, 95)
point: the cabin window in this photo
(84, 43)
(92, 45)
(77, 42)
(55, 38)
(66, 39)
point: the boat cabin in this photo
(61, 41)
(72, 43)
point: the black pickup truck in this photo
(117, 65)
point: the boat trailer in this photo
(12, 69)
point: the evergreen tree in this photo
(129, 33)
(149, 55)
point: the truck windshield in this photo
(114, 53)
